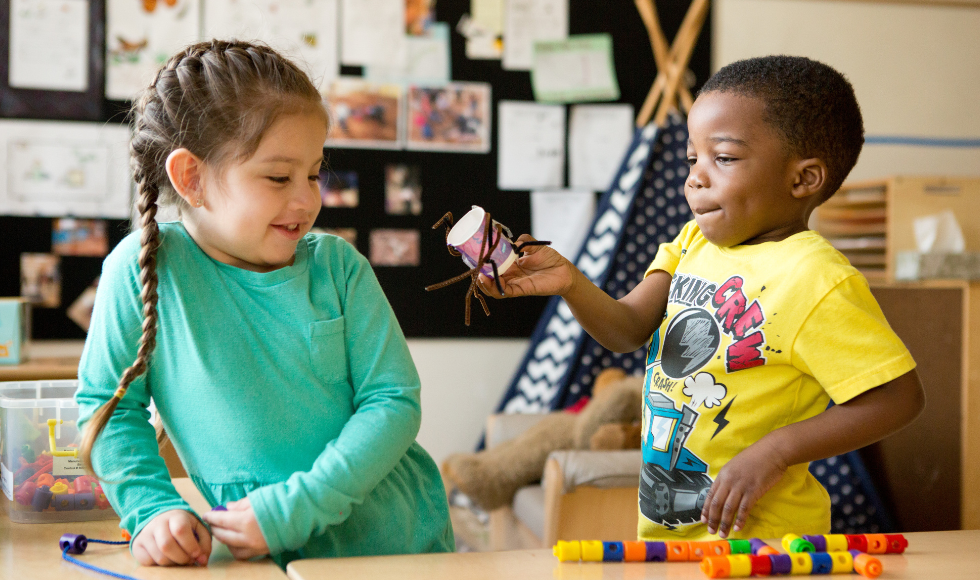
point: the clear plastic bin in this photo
(43, 484)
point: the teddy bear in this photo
(609, 420)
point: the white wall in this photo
(462, 382)
(915, 70)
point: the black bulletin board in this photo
(450, 181)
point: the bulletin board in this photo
(450, 181)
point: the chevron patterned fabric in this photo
(644, 207)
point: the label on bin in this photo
(67, 465)
(7, 482)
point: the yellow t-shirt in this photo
(754, 338)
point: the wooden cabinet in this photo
(930, 471)
(871, 221)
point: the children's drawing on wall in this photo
(80, 311)
(394, 247)
(56, 169)
(75, 237)
(364, 114)
(338, 188)
(49, 45)
(403, 189)
(454, 117)
(40, 279)
(306, 30)
(419, 16)
(140, 36)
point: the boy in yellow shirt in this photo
(754, 322)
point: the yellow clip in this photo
(54, 449)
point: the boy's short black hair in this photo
(812, 105)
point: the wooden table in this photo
(946, 555)
(30, 551)
(47, 360)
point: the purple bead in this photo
(74, 543)
(219, 508)
(656, 552)
(757, 545)
(84, 501)
(64, 502)
(42, 498)
(819, 542)
(781, 563)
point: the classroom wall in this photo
(462, 383)
(915, 69)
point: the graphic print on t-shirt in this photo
(674, 481)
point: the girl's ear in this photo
(186, 172)
(810, 177)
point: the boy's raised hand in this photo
(739, 485)
(238, 529)
(173, 538)
(540, 271)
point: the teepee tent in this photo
(643, 207)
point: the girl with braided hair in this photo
(275, 362)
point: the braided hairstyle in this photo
(216, 99)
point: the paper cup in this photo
(467, 237)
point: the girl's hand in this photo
(540, 271)
(739, 485)
(238, 529)
(172, 538)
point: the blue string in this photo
(64, 554)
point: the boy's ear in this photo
(810, 177)
(186, 172)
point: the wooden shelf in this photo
(871, 221)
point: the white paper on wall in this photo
(427, 60)
(49, 44)
(562, 218)
(373, 32)
(141, 36)
(598, 136)
(531, 147)
(526, 21)
(64, 169)
(304, 30)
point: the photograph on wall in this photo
(419, 16)
(364, 114)
(75, 237)
(338, 188)
(451, 117)
(80, 311)
(403, 189)
(394, 247)
(40, 279)
(348, 234)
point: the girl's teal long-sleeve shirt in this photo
(294, 388)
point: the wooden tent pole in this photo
(668, 78)
(648, 13)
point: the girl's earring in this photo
(198, 202)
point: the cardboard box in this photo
(15, 324)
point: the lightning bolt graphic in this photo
(697, 339)
(720, 418)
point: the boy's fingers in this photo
(142, 556)
(155, 547)
(731, 507)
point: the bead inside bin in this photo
(42, 477)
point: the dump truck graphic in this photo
(673, 483)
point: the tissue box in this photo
(918, 266)
(42, 486)
(15, 317)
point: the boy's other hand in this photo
(173, 538)
(238, 529)
(539, 271)
(739, 485)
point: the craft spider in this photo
(487, 247)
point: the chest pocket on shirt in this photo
(328, 350)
